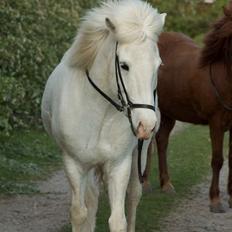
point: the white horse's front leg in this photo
(77, 180)
(118, 176)
(135, 187)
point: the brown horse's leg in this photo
(146, 184)
(217, 135)
(162, 137)
(230, 170)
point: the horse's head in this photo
(134, 26)
(139, 61)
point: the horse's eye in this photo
(124, 66)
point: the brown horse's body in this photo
(184, 89)
(186, 93)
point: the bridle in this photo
(126, 104)
(219, 97)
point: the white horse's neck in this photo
(102, 74)
(99, 114)
(102, 71)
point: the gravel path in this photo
(45, 212)
(193, 214)
(49, 211)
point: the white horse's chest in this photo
(94, 136)
(96, 145)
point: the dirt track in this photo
(193, 213)
(45, 212)
(48, 211)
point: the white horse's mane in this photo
(133, 20)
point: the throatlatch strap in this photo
(116, 105)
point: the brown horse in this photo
(195, 86)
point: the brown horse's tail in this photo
(218, 42)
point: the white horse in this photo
(116, 40)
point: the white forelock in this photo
(133, 20)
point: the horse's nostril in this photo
(140, 126)
(142, 132)
(153, 129)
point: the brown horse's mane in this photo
(218, 42)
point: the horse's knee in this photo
(134, 195)
(134, 190)
(217, 163)
(230, 202)
(117, 223)
(230, 186)
(78, 215)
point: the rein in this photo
(219, 97)
(126, 105)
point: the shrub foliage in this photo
(35, 34)
(192, 17)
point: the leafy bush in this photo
(191, 17)
(35, 34)
(11, 92)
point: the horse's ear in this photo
(159, 23)
(162, 18)
(228, 10)
(110, 25)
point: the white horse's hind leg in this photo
(77, 179)
(118, 177)
(135, 188)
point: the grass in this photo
(26, 156)
(189, 162)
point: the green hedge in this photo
(35, 34)
(191, 17)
